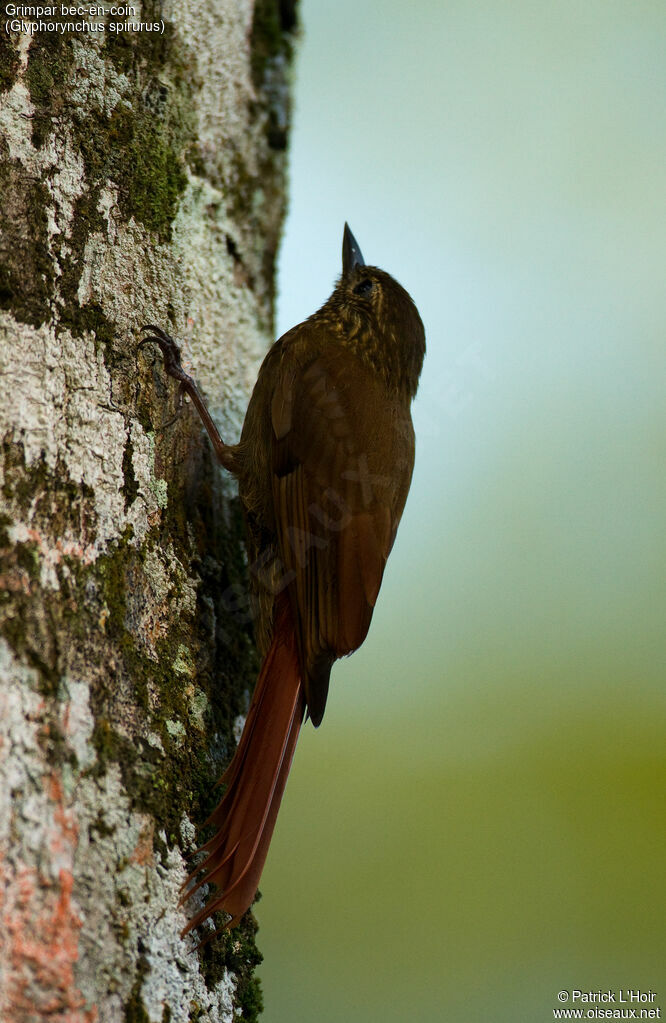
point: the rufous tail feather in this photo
(255, 780)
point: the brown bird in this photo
(323, 465)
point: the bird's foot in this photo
(170, 352)
(227, 454)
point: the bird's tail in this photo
(255, 780)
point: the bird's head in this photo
(378, 319)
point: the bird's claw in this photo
(170, 351)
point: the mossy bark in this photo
(142, 177)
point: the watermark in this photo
(454, 389)
(619, 1003)
(62, 19)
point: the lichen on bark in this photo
(143, 180)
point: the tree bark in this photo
(142, 180)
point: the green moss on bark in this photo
(273, 23)
(9, 63)
(50, 63)
(26, 272)
(237, 952)
(151, 174)
(135, 1010)
(139, 146)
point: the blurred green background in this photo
(480, 820)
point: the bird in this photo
(324, 465)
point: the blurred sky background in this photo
(480, 820)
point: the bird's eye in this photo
(364, 287)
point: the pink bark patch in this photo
(39, 926)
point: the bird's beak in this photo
(351, 253)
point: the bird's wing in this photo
(342, 459)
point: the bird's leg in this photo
(227, 454)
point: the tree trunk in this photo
(142, 177)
